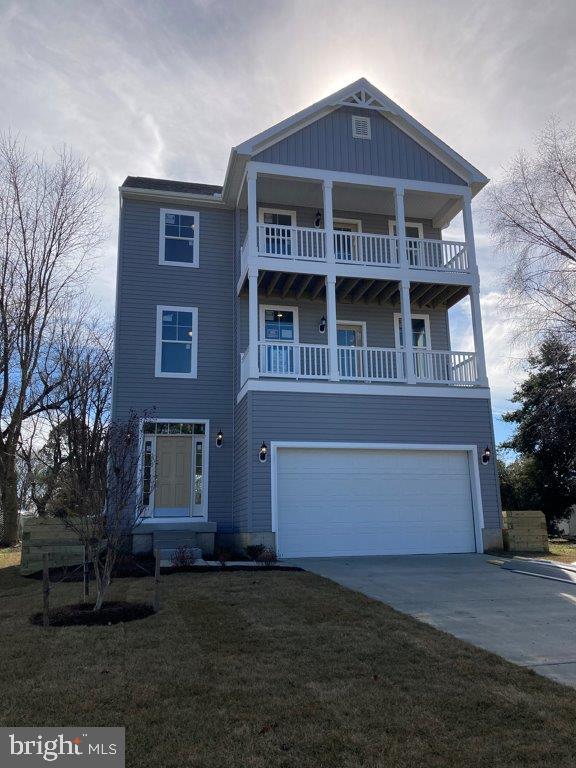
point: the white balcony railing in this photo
(362, 364)
(302, 361)
(309, 243)
(362, 248)
(445, 367)
(437, 254)
(370, 364)
(291, 242)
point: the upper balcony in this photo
(309, 244)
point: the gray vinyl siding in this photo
(143, 284)
(368, 418)
(379, 321)
(242, 476)
(327, 144)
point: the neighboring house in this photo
(272, 312)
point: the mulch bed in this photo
(82, 614)
(226, 569)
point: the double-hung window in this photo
(177, 342)
(179, 232)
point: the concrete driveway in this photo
(530, 621)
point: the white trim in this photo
(142, 437)
(471, 450)
(417, 224)
(283, 211)
(196, 240)
(355, 133)
(159, 373)
(380, 390)
(362, 179)
(387, 107)
(340, 220)
(279, 308)
(178, 197)
(416, 316)
(360, 323)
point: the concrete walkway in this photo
(530, 621)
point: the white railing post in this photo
(328, 221)
(253, 322)
(401, 227)
(469, 232)
(407, 332)
(474, 293)
(252, 214)
(332, 328)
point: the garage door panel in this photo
(348, 501)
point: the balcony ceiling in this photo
(353, 290)
(294, 193)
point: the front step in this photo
(167, 542)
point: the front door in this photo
(350, 336)
(277, 232)
(173, 491)
(278, 330)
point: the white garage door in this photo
(340, 501)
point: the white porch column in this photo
(407, 331)
(474, 293)
(253, 321)
(331, 327)
(401, 228)
(252, 213)
(469, 233)
(328, 221)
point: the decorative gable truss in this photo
(363, 99)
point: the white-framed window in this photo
(361, 128)
(179, 237)
(279, 332)
(177, 342)
(420, 331)
(414, 229)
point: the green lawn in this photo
(243, 670)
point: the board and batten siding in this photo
(143, 284)
(368, 419)
(328, 144)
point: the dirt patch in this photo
(82, 614)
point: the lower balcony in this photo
(362, 364)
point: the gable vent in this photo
(361, 127)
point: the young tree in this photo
(546, 426)
(532, 212)
(50, 224)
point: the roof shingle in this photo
(167, 185)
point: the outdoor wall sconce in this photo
(263, 455)
(486, 455)
(322, 325)
(219, 439)
(317, 219)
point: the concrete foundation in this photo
(492, 539)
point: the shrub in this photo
(182, 557)
(254, 551)
(268, 555)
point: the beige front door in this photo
(172, 493)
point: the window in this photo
(179, 238)
(278, 325)
(177, 342)
(361, 127)
(414, 229)
(420, 331)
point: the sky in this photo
(164, 89)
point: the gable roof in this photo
(360, 95)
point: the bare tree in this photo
(532, 212)
(50, 224)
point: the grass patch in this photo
(262, 670)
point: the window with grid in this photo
(179, 238)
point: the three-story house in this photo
(262, 329)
